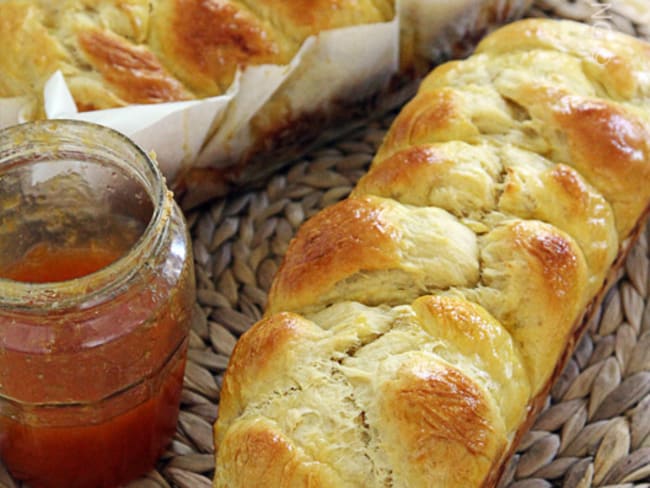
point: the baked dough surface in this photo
(412, 326)
(119, 52)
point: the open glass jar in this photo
(96, 294)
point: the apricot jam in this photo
(45, 264)
(96, 293)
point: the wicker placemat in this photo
(595, 430)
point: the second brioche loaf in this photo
(413, 329)
(295, 90)
(113, 53)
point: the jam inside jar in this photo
(96, 294)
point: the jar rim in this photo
(92, 288)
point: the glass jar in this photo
(96, 294)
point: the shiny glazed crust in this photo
(414, 329)
(115, 53)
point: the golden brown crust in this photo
(302, 18)
(465, 328)
(366, 247)
(553, 254)
(573, 186)
(536, 87)
(256, 454)
(253, 356)
(431, 117)
(341, 240)
(135, 73)
(398, 172)
(256, 360)
(444, 418)
(204, 57)
(616, 60)
(457, 177)
(534, 277)
(610, 148)
(474, 180)
(560, 196)
(117, 52)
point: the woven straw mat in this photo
(595, 429)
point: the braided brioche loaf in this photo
(143, 51)
(114, 53)
(119, 52)
(414, 329)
